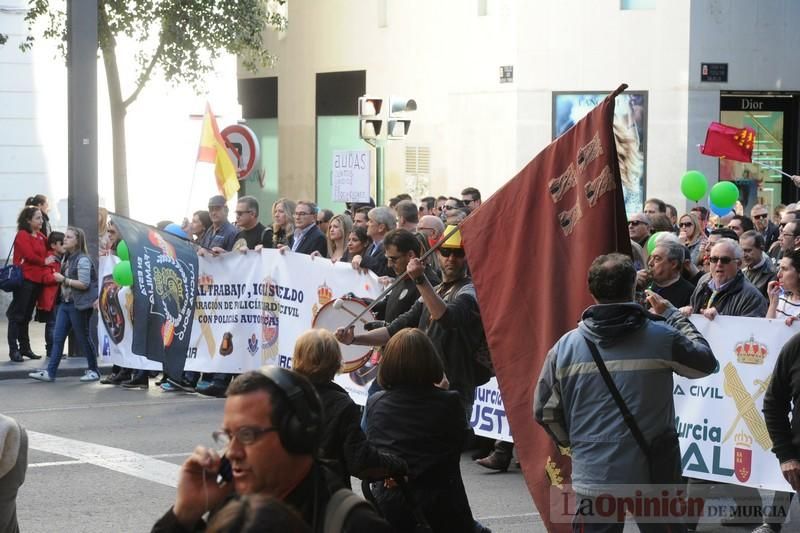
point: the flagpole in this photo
(188, 211)
(773, 168)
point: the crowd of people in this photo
(288, 458)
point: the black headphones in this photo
(300, 426)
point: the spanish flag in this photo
(212, 151)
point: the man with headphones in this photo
(271, 428)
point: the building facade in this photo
(495, 81)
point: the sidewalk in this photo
(70, 366)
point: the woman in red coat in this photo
(30, 253)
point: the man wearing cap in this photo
(219, 238)
(448, 313)
(13, 463)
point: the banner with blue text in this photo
(721, 428)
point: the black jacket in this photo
(781, 398)
(313, 241)
(309, 499)
(344, 448)
(376, 261)
(761, 276)
(771, 234)
(425, 426)
(452, 335)
(402, 297)
(739, 298)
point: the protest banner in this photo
(249, 309)
(721, 428)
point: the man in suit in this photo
(307, 236)
(380, 221)
(760, 216)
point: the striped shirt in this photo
(786, 307)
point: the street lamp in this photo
(370, 129)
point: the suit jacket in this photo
(377, 261)
(771, 234)
(314, 240)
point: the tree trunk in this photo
(118, 112)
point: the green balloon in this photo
(122, 251)
(651, 242)
(694, 185)
(122, 274)
(724, 194)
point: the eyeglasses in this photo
(302, 214)
(784, 234)
(246, 435)
(635, 222)
(759, 217)
(447, 252)
(240, 213)
(685, 224)
(724, 260)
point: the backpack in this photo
(340, 505)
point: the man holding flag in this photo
(573, 191)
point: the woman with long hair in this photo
(40, 201)
(339, 228)
(343, 447)
(30, 253)
(425, 425)
(784, 292)
(282, 222)
(201, 221)
(691, 234)
(357, 243)
(78, 280)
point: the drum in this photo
(332, 316)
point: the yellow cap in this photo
(454, 241)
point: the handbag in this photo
(663, 453)
(10, 274)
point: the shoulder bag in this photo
(664, 453)
(10, 274)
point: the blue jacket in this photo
(641, 351)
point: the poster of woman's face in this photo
(630, 131)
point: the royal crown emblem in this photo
(751, 352)
(324, 293)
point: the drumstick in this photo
(339, 304)
(403, 276)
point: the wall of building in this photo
(758, 40)
(447, 55)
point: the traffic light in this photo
(399, 105)
(369, 121)
(398, 128)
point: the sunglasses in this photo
(685, 224)
(723, 260)
(759, 217)
(635, 222)
(447, 252)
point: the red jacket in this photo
(30, 252)
(50, 287)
